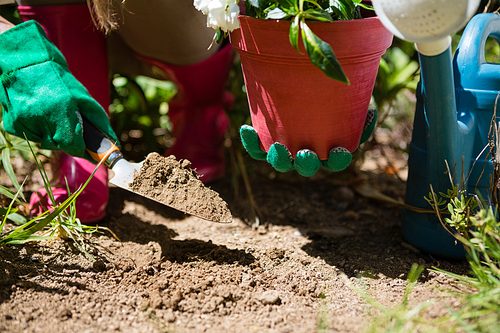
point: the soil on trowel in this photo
(176, 184)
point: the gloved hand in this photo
(40, 97)
(306, 163)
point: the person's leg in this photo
(169, 39)
(69, 26)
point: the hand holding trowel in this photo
(173, 184)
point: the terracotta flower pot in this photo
(292, 101)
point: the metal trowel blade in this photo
(124, 172)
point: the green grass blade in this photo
(40, 224)
(10, 172)
(25, 232)
(70, 234)
(9, 209)
(9, 194)
(32, 238)
(17, 218)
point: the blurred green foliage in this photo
(397, 72)
(139, 114)
(10, 13)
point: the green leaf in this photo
(254, 3)
(285, 4)
(3, 140)
(294, 33)
(4, 210)
(317, 15)
(10, 172)
(9, 194)
(25, 232)
(350, 8)
(262, 4)
(277, 14)
(362, 5)
(9, 209)
(406, 73)
(26, 240)
(344, 9)
(322, 55)
(219, 36)
(16, 218)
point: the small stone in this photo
(99, 266)
(350, 215)
(302, 211)
(156, 302)
(169, 316)
(262, 230)
(64, 314)
(275, 253)
(185, 164)
(144, 305)
(344, 193)
(269, 297)
(247, 281)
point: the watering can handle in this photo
(470, 55)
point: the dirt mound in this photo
(174, 183)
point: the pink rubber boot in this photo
(71, 29)
(197, 111)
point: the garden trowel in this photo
(102, 148)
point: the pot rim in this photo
(365, 20)
(362, 34)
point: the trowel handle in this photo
(98, 145)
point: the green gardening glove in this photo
(40, 97)
(306, 162)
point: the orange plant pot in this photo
(292, 101)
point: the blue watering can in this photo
(455, 104)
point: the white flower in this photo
(202, 5)
(220, 13)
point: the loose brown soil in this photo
(176, 184)
(294, 271)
